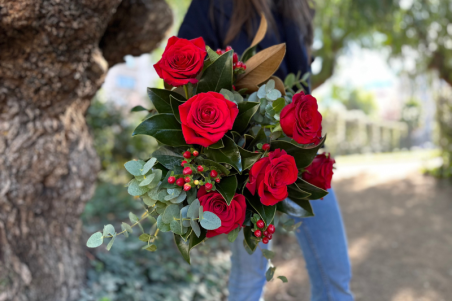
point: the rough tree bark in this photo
(51, 65)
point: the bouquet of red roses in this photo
(236, 147)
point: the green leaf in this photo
(133, 218)
(303, 155)
(144, 237)
(279, 104)
(169, 156)
(267, 213)
(217, 145)
(173, 193)
(296, 193)
(163, 127)
(162, 226)
(134, 167)
(247, 110)
(210, 221)
(112, 241)
(283, 279)
(315, 192)
(250, 239)
(95, 240)
(217, 166)
(227, 94)
(201, 212)
(109, 230)
(138, 109)
(161, 99)
(260, 138)
(218, 75)
(135, 189)
(232, 236)
(175, 107)
(229, 154)
(289, 81)
(213, 55)
(156, 179)
(147, 181)
(248, 158)
(126, 234)
(270, 272)
(185, 247)
(191, 195)
(176, 227)
(195, 226)
(127, 227)
(227, 188)
(193, 210)
(292, 209)
(171, 212)
(179, 199)
(248, 53)
(268, 254)
(150, 248)
(147, 167)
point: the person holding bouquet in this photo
(233, 23)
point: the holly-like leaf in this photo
(217, 166)
(248, 158)
(232, 236)
(175, 107)
(283, 279)
(95, 240)
(270, 273)
(138, 109)
(161, 99)
(303, 155)
(227, 188)
(295, 209)
(247, 110)
(169, 156)
(267, 213)
(217, 145)
(260, 138)
(268, 254)
(228, 154)
(296, 193)
(210, 221)
(218, 75)
(250, 239)
(163, 127)
(314, 191)
(185, 247)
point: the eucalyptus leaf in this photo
(127, 227)
(95, 240)
(150, 248)
(110, 244)
(109, 230)
(135, 189)
(210, 221)
(176, 227)
(195, 226)
(171, 212)
(144, 237)
(134, 167)
(193, 210)
(179, 199)
(147, 167)
(162, 226)
(148, 180)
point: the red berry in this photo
(260, 224)
(213, 173)
(269, 236)
(208, 186)
(195, 153)
(200, 168)
(271, 229)
(266, 147)
(171, 180)
(258, 233)
(187, 171)
(243, 66)
(235, 58)
(265, 233)
(187, 187)
(234, 66)
(233, 87)
(228, 48)
(239, 64)
(265, 240)
(187, 179)
(180, 182)
(218, 51)
(187, 155)
(183, 162)
(217, 180)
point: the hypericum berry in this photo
(208, 186)
(233, 87)
(200, 168)
(243, 66)
(271, 229)
(219, 51)
(187, 187)
(213, 173)
(258, 233)
(187, 179)
(195, 153)
(265, 233)
(234, 65)
(266, 147)
(269, 236)
(180, 182)
(239, 64)
(228, 48)
(187, 155)
(183, 162)
(235, 58)
(171, 180)
(265, 240)
(260, 224)
(217, 180)
(187, 171)
(196, 182)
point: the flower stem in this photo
(186, 91)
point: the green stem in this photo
(186, 91)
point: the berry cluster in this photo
(268, 232)
(237, 65)
(194, 175)
(265, 147)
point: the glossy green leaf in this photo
(268, 254)
(247, 110)
(210, 221)
(267, 213)
(315, 192)
(229, 154)
(185, 247)
(217, 166)
(163, 127)
(303, 155)
(169, 156)
(283, 279)
(232, 236)
(248, 158)
(175, 107)
(250, 239)
(296, 193)
(217, 145)
(279, 104)
(227, 188)
(260, 138)
(218, 75)
(294, 209)
(270, 273)
(161, 99)
(138, 109)
(95, 240)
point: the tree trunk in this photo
(51, 65)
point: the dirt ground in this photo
(399, 229)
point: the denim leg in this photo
(247, 278)
(324, 245)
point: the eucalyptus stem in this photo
(146, 214)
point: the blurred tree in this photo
(54, 55)
(411, 115)
(355, 99)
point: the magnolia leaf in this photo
(232, 236)
(134, 167)
(250, 239)
(249, 158)
(210, 221)
(260, 138)
(315, 192)
(138, 109)
(260, 34)
(303, 155)
(175, 107)
(95, 240)
(169, 156)
(217, 145)
(261, 67)
(270, 273)
(147, 167)
(267, 213)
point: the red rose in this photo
(231, 216)
(181, 61)
(320, 172)
(206, 117)
(301, 119)
(271, 175)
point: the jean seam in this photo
(322, 272)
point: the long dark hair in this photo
(245, 12)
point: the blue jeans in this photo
(324, 245)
